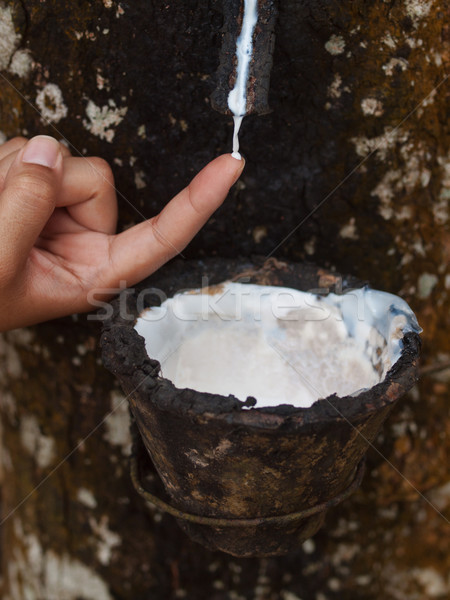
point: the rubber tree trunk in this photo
(350, 170)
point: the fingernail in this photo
(42, 150)
(239, 169)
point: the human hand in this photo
(58, 217)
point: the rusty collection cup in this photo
(246, 480)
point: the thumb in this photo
(28, 198)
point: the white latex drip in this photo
(237, 126)
(237, 98)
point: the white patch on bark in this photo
(426, 284)
(86, 497)
(118, 424)
(103, 119)
(310, 246)
(287, 595)
(385, 191)
(21, 63)
(335, 45)
(372, 106)
(414, 42)
(441, 207)
(194, 456)
(425, 177)
(418, 9)
(69, 579)
(395, 65)
(22, 337)
(8, 406)
(414, 173)
(426, 102)
(418, 247)
(389, 41)
(102, 82)
(349, 230)
(41, 447)
(404, 213)
(9, 39)
(334, 89)
(440, 496)
(51, 104)
(438, 59)
(5, 456)
(381, 144)
(344, 553)
(2, 449)
(309, 546)
(139, 180)
(363, 580)
(408, 177)
(430, 98)
(107, 539)
(434, 585)
(259, 233)
(35, 573)
(10, 363)
(334, 584)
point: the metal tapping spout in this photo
(260, 65)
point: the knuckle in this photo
(193, 203)
(101, 170)
(65, 150)
(165, 244)
(19, 140)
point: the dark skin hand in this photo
(58, 217)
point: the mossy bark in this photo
(351, 170)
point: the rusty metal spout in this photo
(261, 62)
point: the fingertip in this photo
(240, 168)
(230, 166)
(210, 187)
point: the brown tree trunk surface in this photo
(350, 170)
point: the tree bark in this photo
(351, 170)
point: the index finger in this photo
(140, 250)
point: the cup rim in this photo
(140, 378)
